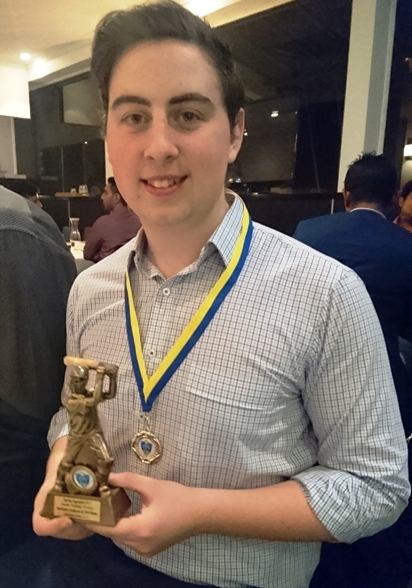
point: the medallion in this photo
(147, 447)
(83, 479)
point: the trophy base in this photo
(98, 510)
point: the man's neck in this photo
(173, 249)
(118, 207)
(405, 219)
(371, 205)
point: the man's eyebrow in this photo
(129, 99)
(190, 97)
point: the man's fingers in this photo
(130, 481)
(44, 527)
(121, 529)
(62, 528)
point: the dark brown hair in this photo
(121, 30)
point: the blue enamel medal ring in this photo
(147, 446)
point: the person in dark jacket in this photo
(380, 252)
(36, 273)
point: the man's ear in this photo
(346, 199)
(236, 135)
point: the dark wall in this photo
(86, 209)
(25, 139)
(300, 150)
(58, 156)
(268, 149)
(283, 212)
(47, 115)
(65, 167)
(399, 102)
(318, 146)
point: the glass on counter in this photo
(74, 232)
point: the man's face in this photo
(168, 134)
(406, 205)
(108, 197)
(35, 200)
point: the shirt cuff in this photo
(350, 507)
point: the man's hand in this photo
(168, 515)
(172, 512)
(61, 527)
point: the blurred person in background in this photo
(113, 230)
(36, 273)
(404, 219)
(24, 188)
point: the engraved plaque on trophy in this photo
(81, 490)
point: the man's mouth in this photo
(167, 183)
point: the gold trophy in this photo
(81, 490)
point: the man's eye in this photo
(133, 119)
(136, 118)
(189, 116)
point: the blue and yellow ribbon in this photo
(150, 388)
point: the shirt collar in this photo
(226, 234)
(368, 210)
(223, 239)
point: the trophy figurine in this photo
(81, 490)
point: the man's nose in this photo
(161, 142)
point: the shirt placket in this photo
(157, 342)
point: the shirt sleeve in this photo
(94, 241)
(301, 232)
(360, 483)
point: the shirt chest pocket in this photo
(243, 388)
(233, 409)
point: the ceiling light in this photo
(274, 113)
(25, 56)
(39, 68)
(407, 151)
(204, 7)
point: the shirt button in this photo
(152, 353)
(166, 291)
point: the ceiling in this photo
(50, 30)
(283, 47)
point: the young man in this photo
(266, 395)
(113, 230)
(381, 254)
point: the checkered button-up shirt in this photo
(289, 380)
